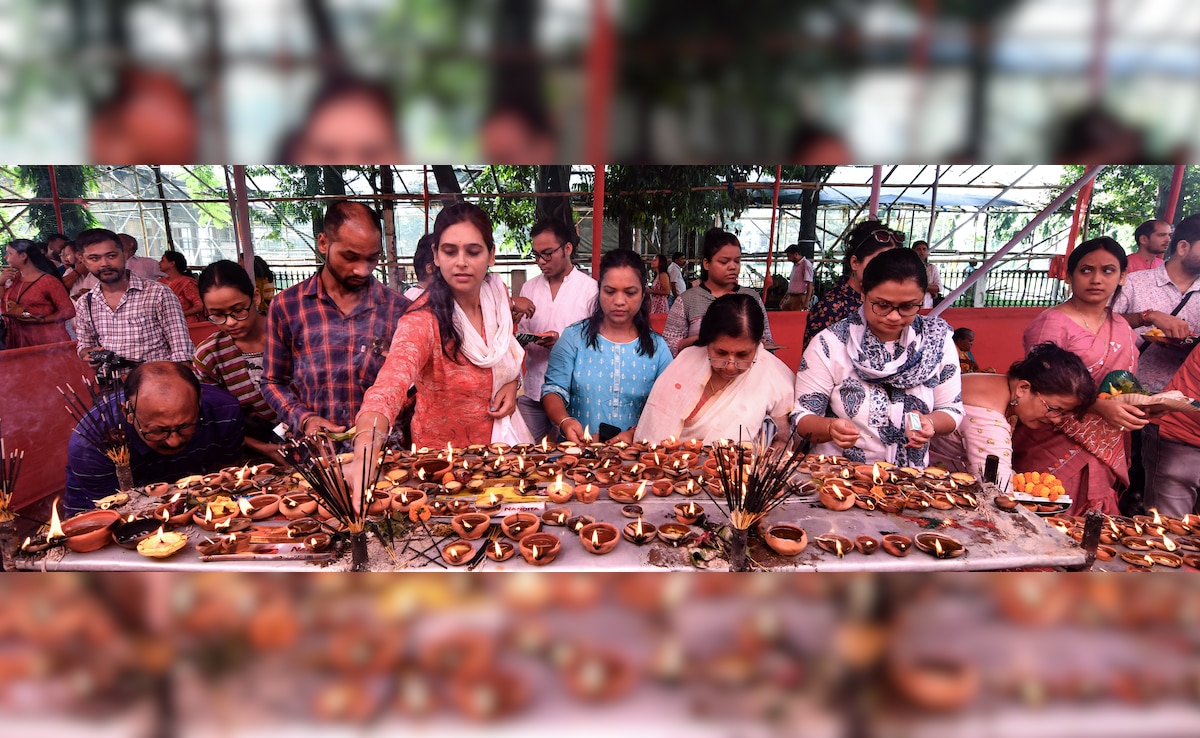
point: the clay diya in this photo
(674, 533)
(488, 501)
(597, 676)
(688, 512)
(470, 526)
(432, 470)
(175, 513)
(209, 522)
(458, 507)
(520, 524)
(318, 542)
(298, 505)
(897, 545)
(439, 508)
(89, 531)
(628, 491)
(939, 546)
(458, 553)
(262, 506)
(560, 492)
(574, 524)
(599, 538)
(836, 497)
(379, 502)
(639, 532)
(1140, 560)
(162, 544)
(539, 549)
(833, 543)
(891, 505)
(1191, 559)
(1105, 553)
(1166, 558)
(211, 546)
(865, 545)
(127, 533)
(1004, 502)
(158, 489)
(688, 488)
(632, 511)
(786, 539)
(556, 516)
(498, 550)
(302, 527)
(587, 493)
(406, 498)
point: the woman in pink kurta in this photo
(455, 344)
(1091, 447)
(175, 268)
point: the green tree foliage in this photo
(516, 214)
(637, 195)
(1128, 194)
(73, 182)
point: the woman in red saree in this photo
(1086, 453)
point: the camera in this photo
(109, 366)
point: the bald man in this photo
(175, 427)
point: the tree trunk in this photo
(387, 186)
(166, 208)
(624, 233)
(554, 179)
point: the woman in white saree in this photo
(725, 385)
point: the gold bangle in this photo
(829, 430)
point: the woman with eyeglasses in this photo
(721, 259)
(865, 242)
(1046, 387)
(174, 267)
(602, 368)
(725, 385)
(36, 304)
(1091, 447)
(890, 377)
(232, 357)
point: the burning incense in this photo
(102, 426)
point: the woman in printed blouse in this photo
(875, 367)
(174, 267)
(602, 369)
(868, 238)
(721, 259)
(232, 357)
(456, 344)
(660, 287)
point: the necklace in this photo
(1083, 317)
(712, 389)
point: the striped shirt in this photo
(689, 309)
(219, 361)
(216, 443)
(148, 324)
(320, 362)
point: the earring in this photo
(1013, 402)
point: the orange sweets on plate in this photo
(1038, 484)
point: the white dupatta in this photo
(503, 355)
(762, 391)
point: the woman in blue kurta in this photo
(602, 369)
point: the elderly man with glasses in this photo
(175, 427)
(560, 296)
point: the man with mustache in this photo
(136, 319)
(328, 335)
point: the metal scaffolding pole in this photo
(245, 243)
(1088, 176)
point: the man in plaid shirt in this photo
(134, 318)
(328, 335)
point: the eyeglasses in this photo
(1053, 413)
(161, 434)
(884, 309)
(238, 314)
(547, 255)
(721, 362)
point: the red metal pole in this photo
(601, 62)
(771, 242)
(425, 172)
(598, 220)
(1081, 208)
(876, 173)
(1176, 188)
(54, 196)
(243, 219)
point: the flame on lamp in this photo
(587, 435)
(596, 538)
(641, 491)
(56, 530)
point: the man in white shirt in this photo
(562, 295)
(799, 289)
(144, 267)
(931, 273)
(675, 273)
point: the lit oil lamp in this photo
(520, 525)
(939, 546)
(639, 532)
(1166, 558)
(1139, 560)
(576, 523)
(499, 550)
(897, 545)
(162, 544)
(405, 499)
(865, 545)
(599, 538)
(674, 534)
(833, 543)
(688, 512)
(539, 549)
(836, 497)
(560, 492)
(556, 516)
(318, 542)
(458, 553)
(688, 488)
(89, 531)
(488, 501)
(470, 526)
(587, 493)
